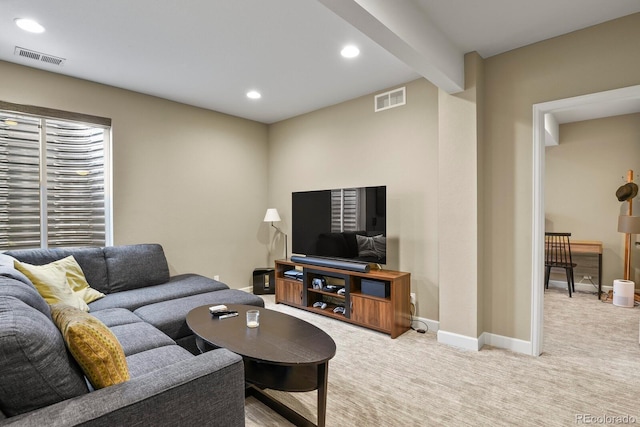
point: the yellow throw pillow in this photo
(76, 279)
(51, 282)
(93, 346)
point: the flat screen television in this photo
(344, 223)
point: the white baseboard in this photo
(247, 289)
(419, 322)
(460, 341)
(508, 343)
(475, 344)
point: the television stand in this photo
(377, 300)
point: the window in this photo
(54, 176)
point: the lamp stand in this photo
(286, 251)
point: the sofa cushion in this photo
(115, 316)
(91, 260)
(157, 358)
(140, 336)
(6, 260)
(170, 316)
(51, 282)
(93, 345)
(135, 266)
(12, 273)
(25, 293)
(36, 369)
(177, 287)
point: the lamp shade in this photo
(629, 224)
(272, 215)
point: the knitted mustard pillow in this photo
(93, 346)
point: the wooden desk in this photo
(580, 248)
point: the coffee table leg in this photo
(323, 376)
(291, 414)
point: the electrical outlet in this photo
(216, 277)
(587, 277)
(412, 298)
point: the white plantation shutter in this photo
(19, 182)
(68, 157)
(75, 185)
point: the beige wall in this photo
(460, 257)
(582, 175)
(188, 178)
(350, 145)
(592, 60)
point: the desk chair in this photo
(558, 255)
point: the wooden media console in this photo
(377, 300)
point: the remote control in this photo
(224, 316)
(221, 313)
(216, 308)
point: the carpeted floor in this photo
(590, 367)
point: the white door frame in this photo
(596, 105)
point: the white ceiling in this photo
(209, 53)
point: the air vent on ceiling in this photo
(393, 98)
(37, 56)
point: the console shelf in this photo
(388, 311)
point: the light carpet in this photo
(589, 370)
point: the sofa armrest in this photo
(207, 389)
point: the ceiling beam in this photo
(405, 31)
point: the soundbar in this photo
(360, 267)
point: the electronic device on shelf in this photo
(318, 282)
(320, 304)
(293, 274)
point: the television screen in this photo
(346, 223)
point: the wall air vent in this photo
(393, 98)
(37, 56)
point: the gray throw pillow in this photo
(372, 246)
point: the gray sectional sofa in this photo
(170, 382)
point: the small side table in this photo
(264, 281)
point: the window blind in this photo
(68, 158)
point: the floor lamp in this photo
(273, 216)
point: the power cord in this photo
(419, 330)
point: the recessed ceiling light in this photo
(29, 25)
(254, 94)
(350, 51)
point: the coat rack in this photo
(627, 225)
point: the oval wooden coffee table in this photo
(283, 353)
